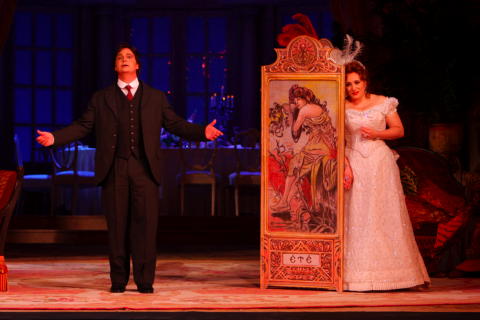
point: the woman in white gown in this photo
(380, 248)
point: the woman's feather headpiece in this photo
(351, 49)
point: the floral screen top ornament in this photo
(304, 27)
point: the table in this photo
(89, 200)
(169, 194)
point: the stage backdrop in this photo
(302, 167)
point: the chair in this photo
(10, 186)
(65, 173)
(440, 212)
(247, 156)
(37, 178)
(198, 168)
(36, 181)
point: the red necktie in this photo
(129, 94)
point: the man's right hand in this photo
(45, 138)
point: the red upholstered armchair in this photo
(437, 206)
(10, 186)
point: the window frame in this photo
(35, 153)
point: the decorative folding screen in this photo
(302, 167)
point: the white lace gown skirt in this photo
(380, 248)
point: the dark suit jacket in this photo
(102, 114)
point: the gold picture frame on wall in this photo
(302, 167)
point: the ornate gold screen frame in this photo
(302, 243)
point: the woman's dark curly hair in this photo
(301, 92)
(359, 69)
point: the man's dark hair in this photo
(122, 46)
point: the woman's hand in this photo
(369, 133)
(395, 129)
(347, 177)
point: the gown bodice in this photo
(373, 117)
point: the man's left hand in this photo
(212, 133)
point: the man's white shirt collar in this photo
(134, 84)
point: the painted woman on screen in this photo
(311, 174)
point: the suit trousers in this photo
(131, 204)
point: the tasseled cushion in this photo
(7, 186)
(3, 275)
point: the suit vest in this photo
(129, 138)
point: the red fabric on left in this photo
(7, 184)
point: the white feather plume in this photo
(351, 49)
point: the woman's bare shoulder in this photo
(312, 107)
(378, 98)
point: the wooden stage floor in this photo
(203, 282)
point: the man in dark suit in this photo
(127, 118)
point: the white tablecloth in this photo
(89, 198)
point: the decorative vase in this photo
(445, 138)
